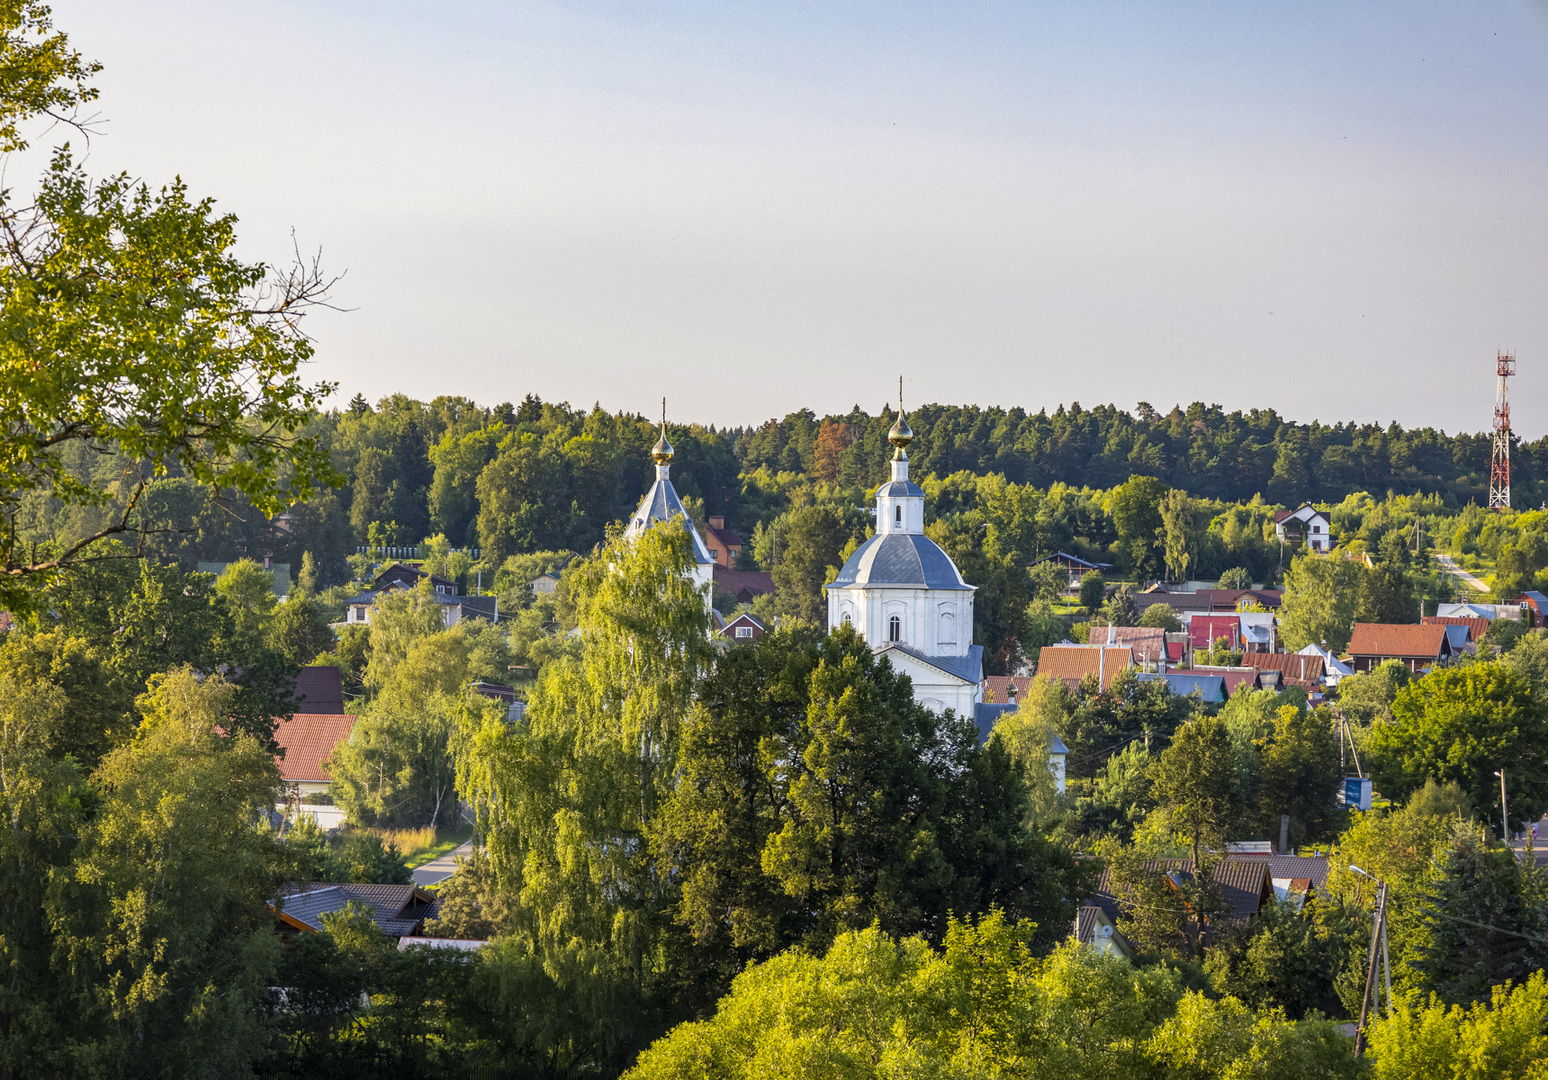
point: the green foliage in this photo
(39, 73)
(1092, 590)
(1367, 698)
(1135, 508)
(983, 1006)
(1507, 1037)
(1462, 724)
(807, 560)
(1300, 776)
(1161, 616)
(1320, 602)
(1195, 779)
(1238, 577)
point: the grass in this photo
(420, 846)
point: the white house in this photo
(1305, 525)
(906, 598)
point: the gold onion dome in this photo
(662, 452)
(900, 434)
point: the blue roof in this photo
(1182, 683)
(969, 668)
(898, 488)
(899, 561)
(987, 713)
(662, 504)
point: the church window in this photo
(899, 517)
(894, 629)
(948, 629)
(848, 619)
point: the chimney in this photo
(717, 521)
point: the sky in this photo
(1336, 210)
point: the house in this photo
(1210, 601)
(494, 691)
(1477, 626)
(399, 910)
(319, 690)
(401, 576)
(1534, 607)
(1417, 646)
(1075, 566)
(743, 584)
(1211, 688)
(454, 608)
(1205, 630)
(1236, 679)
(1294, 669)
(305, 741)
(545, 583)
(1072, 663)
(1295, 877)
(1093, 928)
(724, 544)
(744, 628)
(1305, 525)
(1245, 886)
(1006, 688)
(1148, 642)
(1334, 668)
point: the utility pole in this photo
(1504, 810)
(1378, 939)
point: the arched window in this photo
(848, 620)
(894, 629)
(948, 629)
(899, 517)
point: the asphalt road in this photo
(440, 869)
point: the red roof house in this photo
(1417, 646)
(306, 740)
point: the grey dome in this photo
(897, 488)
(899, 561)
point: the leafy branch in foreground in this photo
(129, 327)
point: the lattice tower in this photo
(1499, 468)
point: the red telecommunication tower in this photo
(1499, 469)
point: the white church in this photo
(899, 589)
(907, 599)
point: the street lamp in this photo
(1378, 937)
(1504, 812)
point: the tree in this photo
(1120, 609)
(1484, 920)
(833, 437)
(1385, 596)
(129, 324)
(1462, 724)
(1161, 616)
(161, 920)
(1235, 578)
(813, 542)
(1183, 530)
(1503, 1037)
(298, 630)
(1092, 590)
(1321, 600)
(1367, 698)
(1195, 779)
(1135, 508)
(1300, 775)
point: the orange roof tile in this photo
(1072, 663)
(1291, 665)
(1391, 639)
(308, 738)
(1476, 627)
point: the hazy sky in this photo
(1337, 210)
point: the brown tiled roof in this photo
(1290, 665)
(1236, 678)
(1243, 881)
(1072, 663)
(1395, 640)
(728, 538)
(308, 738)
(755, 582)
(319, 689)
(1148, 642)
(997, 687)
(1476, 627)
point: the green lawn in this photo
(444, 843)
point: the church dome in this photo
(898, 560)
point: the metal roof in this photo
(398, 909)
(969, 668)
(898, 488)
(899, 561)
(661, 504)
